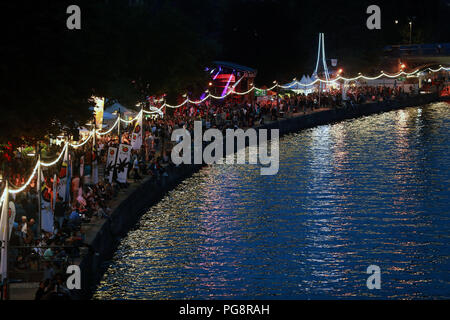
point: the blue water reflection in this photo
(368, 191)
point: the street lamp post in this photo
(410, 28)
(4, 244)
(410, 33)
(38, 186)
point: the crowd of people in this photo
(52, 252)
(224, 115)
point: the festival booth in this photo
(265, 95)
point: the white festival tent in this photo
(110, 114)
(116, 107)
(302, 86)
(112, 111)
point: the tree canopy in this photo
(122, 52)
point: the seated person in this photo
(74, 219)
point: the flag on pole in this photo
(136, 138)
(38, 191)
(54, 191)
(123, 159)
(46, 208)
(12, 217)
(99, 106)
(3, 234)
(62, 185)
(68, 181)
(110, 164)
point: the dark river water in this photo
(370, 191)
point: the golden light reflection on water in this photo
(368, 191)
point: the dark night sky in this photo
(279, 38)
(128, 52)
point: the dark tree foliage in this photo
(122, 52)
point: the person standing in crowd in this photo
(42, 289)
(136, 175)
(60, 210)
(74, 218)
(75, 186)
(32, 231)
(23, 227)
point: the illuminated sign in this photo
(226, 78)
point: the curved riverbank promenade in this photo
(89, 225)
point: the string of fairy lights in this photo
(232, 90)
(40, 163)
(297, 83)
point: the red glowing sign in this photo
(226, 78)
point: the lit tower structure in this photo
(321, 52)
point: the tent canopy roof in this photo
(116, 107)
(235, 66)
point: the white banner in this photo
(99, 106)
(12, 216)
(54, 191)
(61, 188)
(123, 159)
(3, 226)
(110, 163)
(62, 185)
(69, 180)
(136, 138)
(46, 213)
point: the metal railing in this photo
(28, 263)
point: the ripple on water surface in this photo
(368, 191)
